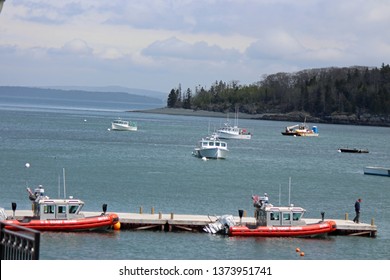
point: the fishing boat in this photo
(229, 131)
(123, 125)
(300, 130)
(352, 150)
(60, 215)
(211, 147)
(281, 221)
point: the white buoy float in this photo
(27, 165)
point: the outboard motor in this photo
(240, 214)
(13, 209)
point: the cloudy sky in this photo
(157, 44)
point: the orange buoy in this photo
(302, 254)
(117, 226)
(297, 250)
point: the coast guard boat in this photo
(60, 215)
(272, 221)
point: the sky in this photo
(159, 44)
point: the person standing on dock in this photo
(357, 210)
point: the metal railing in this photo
(20, 243)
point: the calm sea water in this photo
(153, 167)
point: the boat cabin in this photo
(270, 215)
(63, 209)
(121, 122)
(212, 144)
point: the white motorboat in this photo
(211, 147)
(229, 131)
(123, 125)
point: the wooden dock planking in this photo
(195, 223)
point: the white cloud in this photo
(198, 41)
(178, 49)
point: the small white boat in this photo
(123, 125)
(381, 171)
(211, 147)
(229, 131)
(233, 132)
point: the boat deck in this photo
(195, 223)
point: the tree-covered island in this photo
(350, 95)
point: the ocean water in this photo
(153, 167)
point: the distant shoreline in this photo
(198, 113)
(366, 120)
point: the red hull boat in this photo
(284, 231)
(60, 215)
(106, 221)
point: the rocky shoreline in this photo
(365, 119)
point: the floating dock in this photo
(195, 223)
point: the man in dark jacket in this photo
(357, 210)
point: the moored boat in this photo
(123, 125)
(229, 131)
(211, 147)
(352, 150)
(276, 221)
(300, 130)
(60, 215)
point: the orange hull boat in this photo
(81, 224)
(284, 231)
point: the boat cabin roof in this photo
(120, 121)
(60, 201)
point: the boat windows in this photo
(286, 216)
(297, 216)
(48, 209)
(217, 144)
(73, 209)
(274, 216)
(61, 209)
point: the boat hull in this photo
(356, 151)
(284, 231)
(123, 127)
(213, 153)
(102, 222)
(222, 135)
(380, 171)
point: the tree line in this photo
(318, 92)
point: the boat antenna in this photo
(63, 175)
(280, 194)
(289, 190)
(59, 186)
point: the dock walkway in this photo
(195, 223)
